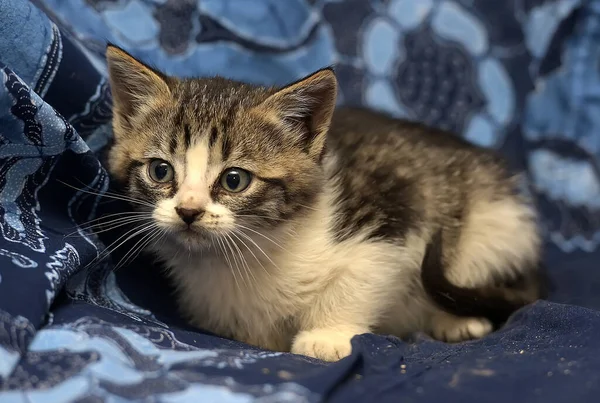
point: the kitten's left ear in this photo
(306, 107)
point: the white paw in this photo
(324, 344)
(454, 329)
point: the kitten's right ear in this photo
(133, 84)
(306, 108)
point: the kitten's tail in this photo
(494, 303)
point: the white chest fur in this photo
(265, 296)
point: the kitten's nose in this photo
(189, 215)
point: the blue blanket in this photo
(520, 77)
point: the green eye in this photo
(235, 180)
(161, 171)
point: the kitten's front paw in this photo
(324, 344)
(455, 329)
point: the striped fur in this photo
(329, 238)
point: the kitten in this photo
(294, 227)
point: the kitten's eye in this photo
(161, 171)
(235, 180)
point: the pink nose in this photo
(187, 215)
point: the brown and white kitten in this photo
(293, 226)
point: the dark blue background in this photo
(520, 77)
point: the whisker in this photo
(226, 256)
(242, 261)
(261, 234)
(128, 235)
(259, 248)
(252, 253)
(97, 229)
(150, 231)
(249, 238)
(111, 195)
(261, 216)
(245, 264)
(122, 213)
(237, 267)
(161, 235)
(140, 231)
(135, 250)
(237, 259)
(113, 224)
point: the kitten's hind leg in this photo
(492, 271)
(453, 329)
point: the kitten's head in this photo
(212, 157)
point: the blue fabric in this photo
(521, 77)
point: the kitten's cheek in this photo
(217, 227)
(165, 216)
(218, 218)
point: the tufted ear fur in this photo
(305, 108)
(134, 86)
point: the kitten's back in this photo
(399, 178)
(398, 175)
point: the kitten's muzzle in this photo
(187, 215)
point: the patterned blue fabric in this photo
(521, 77)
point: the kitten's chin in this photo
(192, 239)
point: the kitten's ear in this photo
(306, 107)
(133, 84)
